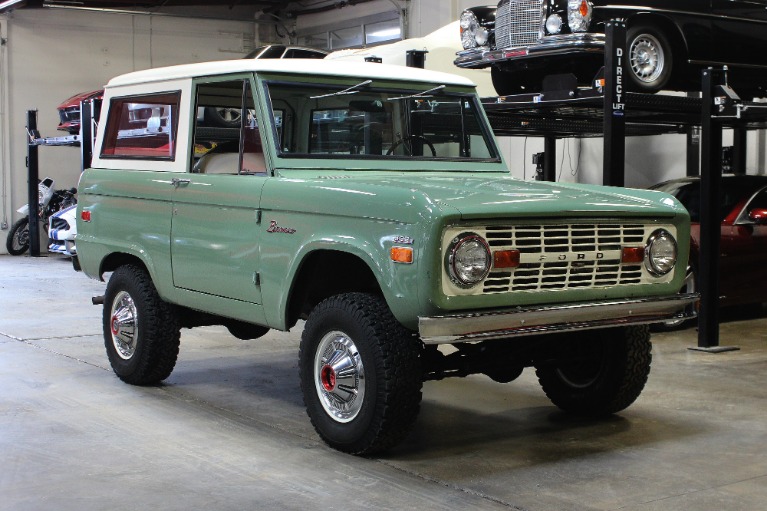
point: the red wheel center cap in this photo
(328, 378)
(114, 325)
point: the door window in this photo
(226, 138)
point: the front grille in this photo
(600, 243)
(69, 114)
(518, 23)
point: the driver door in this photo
(214, 240)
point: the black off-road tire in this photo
(598, 373)
(17, 241)
(141, 331)
(358, 332)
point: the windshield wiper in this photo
(419, 94)
(350, 90)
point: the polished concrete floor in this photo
(228, 430)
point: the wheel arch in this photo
(116, 259)
(315, 280)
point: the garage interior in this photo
(228, 429)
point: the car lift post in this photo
(86, 133)
(32, 180)
(614, 164)
(714, 103)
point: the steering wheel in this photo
(402, 140)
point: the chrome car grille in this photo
(518, 23)
(555, 242)
(70, 114)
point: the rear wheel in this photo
(597, 372)
(360, 374)
(141, 331)
(18, 237)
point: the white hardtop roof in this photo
(361, 70)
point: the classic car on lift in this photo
(667, 44)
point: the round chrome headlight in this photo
(660, 253)
(554, 24)
(579, 15)
(468, 259)
(472, 33)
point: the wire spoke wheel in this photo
(18, 237)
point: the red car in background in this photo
(69, 111)
(743, 245)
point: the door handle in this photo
(178, 182)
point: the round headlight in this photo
(661, 253)
(554, 24)
(468, 259)
(472, 33)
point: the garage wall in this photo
(52, 54)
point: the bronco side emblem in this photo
(273, 227)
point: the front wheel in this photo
(18, 237)
(141, 331)
(597, 372)
(650, 60)
(360, 374)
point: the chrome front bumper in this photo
(548, 46)
(500, 324)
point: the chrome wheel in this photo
(124, 325)
(339, 377)
(647, 58)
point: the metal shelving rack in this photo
(84, 140)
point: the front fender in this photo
(398, 282)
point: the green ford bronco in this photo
(372, 202)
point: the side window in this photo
(142, 127)
(226, 135)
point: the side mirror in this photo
(758, 216)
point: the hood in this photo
(480, 195)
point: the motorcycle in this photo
(49, 202)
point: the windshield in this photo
(358, 120)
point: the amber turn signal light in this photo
(402, 255)
(506, 259)
(632, 255)
(584, 8)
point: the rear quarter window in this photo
(142, 127)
